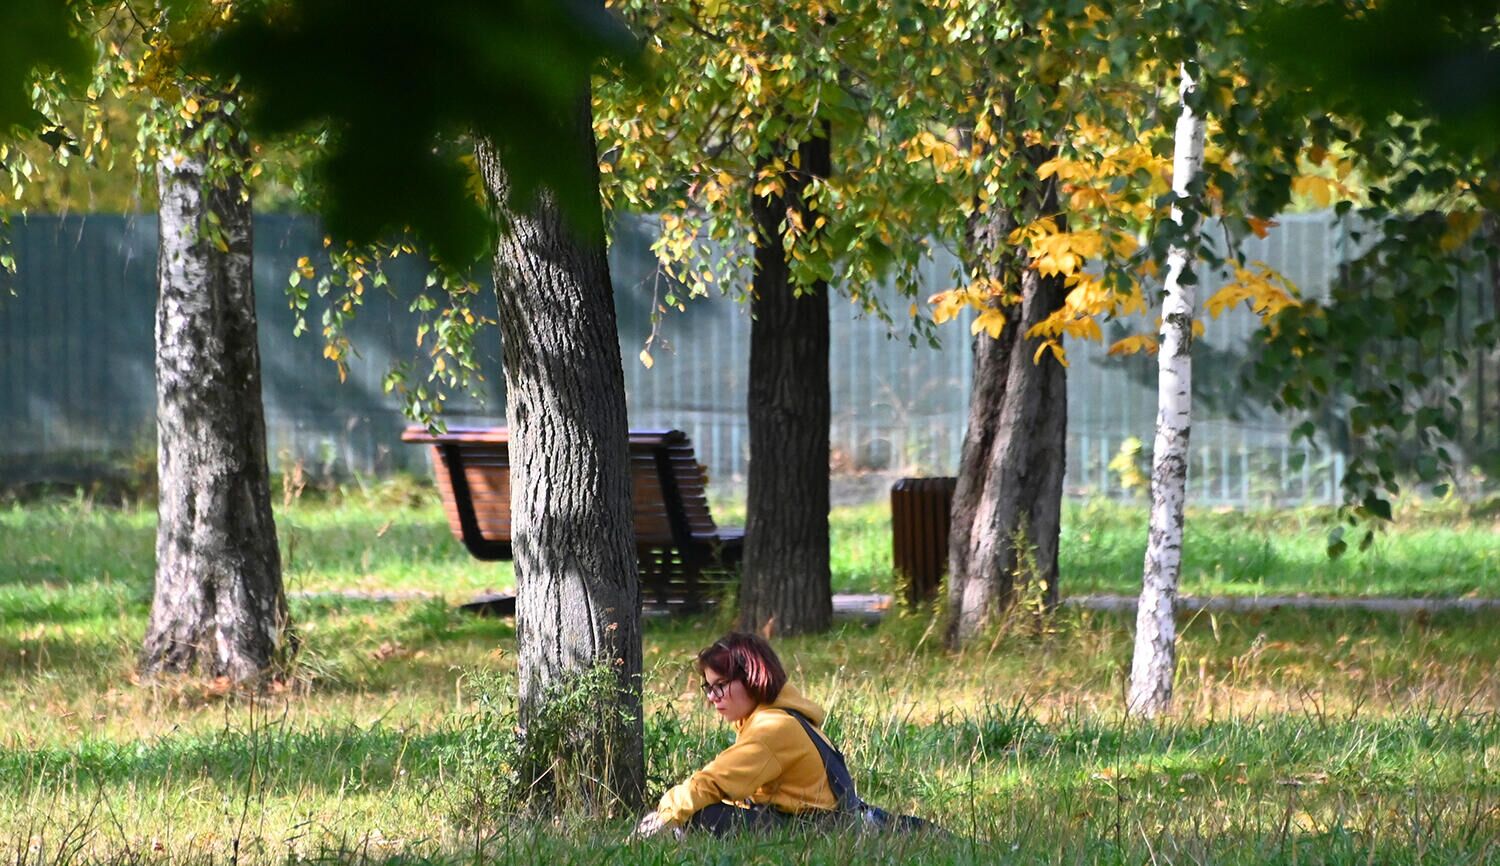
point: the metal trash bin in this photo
(920, 510)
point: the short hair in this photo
(749, 659)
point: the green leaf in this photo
(1336, 543)
(37, 33)
(1377, 507)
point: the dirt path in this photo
(872, 606)
(1406, 606)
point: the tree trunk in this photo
(219, 608)
(1155, 627)
(578, 597)
(785, 585)
(1010, 474)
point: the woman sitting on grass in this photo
(781, 767)
(773, 772)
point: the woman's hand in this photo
(651, 825)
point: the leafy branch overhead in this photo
(35, 36)
(393, 85)
(1408, 93)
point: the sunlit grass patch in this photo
(1298, 736)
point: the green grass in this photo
(1329, 737)
(376, 545)
(1440, 552)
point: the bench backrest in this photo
(664, 473)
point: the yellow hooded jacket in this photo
(772, 761)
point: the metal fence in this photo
(77, 392)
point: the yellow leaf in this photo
(1261, 227)
(1223, 299)
(1057, 352)
(945, 306)
(1087, 329)
(1461, 227)
(1267, 291)
(1131, 345)
(991, 321)
(646, 359)
(1318, 189)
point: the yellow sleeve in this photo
(735, 774)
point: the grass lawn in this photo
(1329, 737)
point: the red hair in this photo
(749, 659)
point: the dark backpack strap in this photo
(833, 763)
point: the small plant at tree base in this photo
(1028, 582)
(509, 770)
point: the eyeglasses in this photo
(716, 691)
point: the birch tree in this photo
(218, 607)
(1093, 180)
(1155, 627)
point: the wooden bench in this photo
(684, 556)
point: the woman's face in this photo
(729, 697)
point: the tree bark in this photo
(219, 608)
(1155, 657)
(786, 584)
(1010, 474)
(578, 597)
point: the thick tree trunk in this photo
(1155, 626)
(786, 585)
(1011, 467)
(578, 597)
(219, 608)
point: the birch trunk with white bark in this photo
(219, 608)
(1155, 658)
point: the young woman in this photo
(774, 773)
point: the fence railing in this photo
(77, 392)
